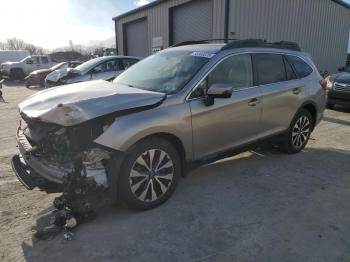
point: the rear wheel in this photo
(299, 133)
(149, 174)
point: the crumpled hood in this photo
(342, 77)
(73, 104)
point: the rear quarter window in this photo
(300, 66)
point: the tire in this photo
(330, 106)
(17, 74)
(298, 133)
(142, 186)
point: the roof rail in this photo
(262, 43)
(205, 41)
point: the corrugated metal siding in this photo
(158, 22)
(321, 27)
(192, 21)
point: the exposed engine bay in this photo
(65, 159)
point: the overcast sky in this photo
(52, 24)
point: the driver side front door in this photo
(229, 122)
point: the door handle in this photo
(253, 102)
(296, 91)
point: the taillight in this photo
(323, 84)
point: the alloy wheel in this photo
(301, 131)
(151, 175)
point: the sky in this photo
(51, 24)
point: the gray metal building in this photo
(321, 27)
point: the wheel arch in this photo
(311, 107)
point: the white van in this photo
(12, 55)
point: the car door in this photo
(33, 65)
(281, 91)
(106, 70)
(229, 122)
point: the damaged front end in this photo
(64, 159)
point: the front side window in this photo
(35, 60)
(301, 68)
(165, 72)
(108, 66)
(270, 68)
(235, 71)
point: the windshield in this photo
(24, 59)
(166, 72)
(87, 65)
(58, 66)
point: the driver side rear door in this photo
(229, 122)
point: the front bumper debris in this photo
(43, 168)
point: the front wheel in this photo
(149, 174)
(299, 133)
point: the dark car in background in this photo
(37, 77)
(339, 88)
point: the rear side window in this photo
(127, 62)
(270, 68)
(290, 74)
(44, 60)
(302, 69)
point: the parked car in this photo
(339, 88)
(105, 68)
(18, 70)
(177, 109)
(37, 77)
(12, 55)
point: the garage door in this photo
(136, 39)
(192, 21)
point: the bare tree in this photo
(19, 44)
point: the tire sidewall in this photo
(124, 191)
(291, 147)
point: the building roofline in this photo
(157, 2)
(138, 9)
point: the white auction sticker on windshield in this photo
(202, 54)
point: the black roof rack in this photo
(261, 43)
(205, 41)
(236, 43)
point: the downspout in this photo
(226, 19)
(116, 35)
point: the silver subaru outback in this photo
(185, 106)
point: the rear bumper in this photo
(31, 164)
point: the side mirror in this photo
(341, 69)
(29, 62)
(218, 91)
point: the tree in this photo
(19, 44)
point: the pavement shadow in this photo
(261, 204)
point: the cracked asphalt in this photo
(256, 206)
